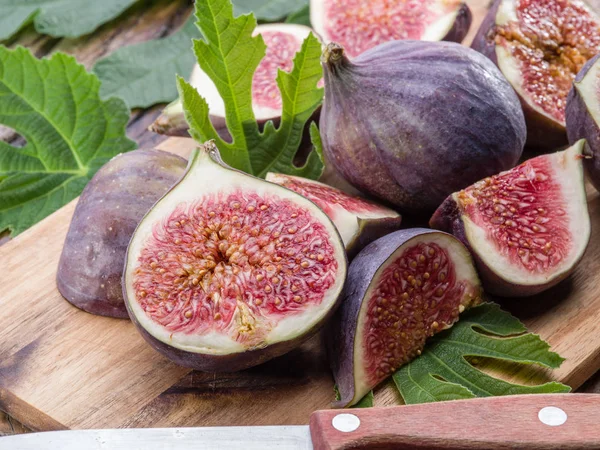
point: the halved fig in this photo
(401, 289)
(283, 41)
(540, 45)
(527, 227)
(359, 221)
(110, 207)
(227, 271)
(359, 25)
(583, 115)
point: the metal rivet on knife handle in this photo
(345, 422)
(552, 416)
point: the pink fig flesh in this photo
(109, 209)
(227, 271)
(358, 221)
(401, 289)
(527, 227)
(359, 25)
(540, 46)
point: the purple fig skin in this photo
(386, 126)
(341, 334)
(543, 132)
(581, 125)
(108, 211)
(461, 25)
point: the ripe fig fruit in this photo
(527, 227)
(358, 221)
(359, 25)
(401, 289)
(583, 115)
(283, 41)
(540, 45)
(227, 271)
(110, 207)
(385, 124)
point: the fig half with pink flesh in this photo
(227, 271)
(359, 221)
(282, 41)
(583, 115)
(527, 227)
(110, 207)
(540, 45)
(359, 25)
(401, 289)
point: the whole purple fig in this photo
(410, 122)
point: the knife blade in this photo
(524, 422)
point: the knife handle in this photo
(524, 422)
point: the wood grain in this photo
(496, 423)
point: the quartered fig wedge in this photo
(227, 271)
(359, 221)
(401, 289)
(540, 45)
(583, 115)
(359, 25)
(283, 41)
(527, 227)
(110, 207)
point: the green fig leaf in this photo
(142, 74)
(300, 17)
(229, 54)
(268, 10)
(59, 18)
(54, 104)
(442, 372)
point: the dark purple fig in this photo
(359, 25)
(410, 122)
(109, 209)
(227, 271)
(283, 41)
(358, 221)
(528, 227)
(401, 289)
(540, 46)
(583, 115)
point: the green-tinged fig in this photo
(283, 41)
(527, 227)
(410, 122)
(359, 221)
(109, 209)
(540, 45)
(401, 289)
(227, 271)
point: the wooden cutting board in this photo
(63, 368)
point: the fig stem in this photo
(333, 54)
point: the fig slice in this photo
(401, 289)
(227, 271)
(359, 25)
(527, 227)
(283, 41)
(583, 115)
(110, 207)
(540, 45)
(358, 221)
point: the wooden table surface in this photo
(146, 20)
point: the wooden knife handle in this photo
(523, 422)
